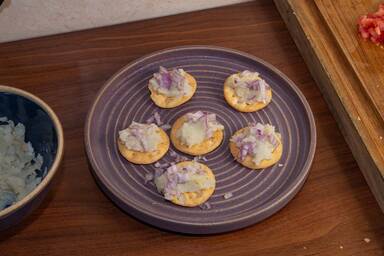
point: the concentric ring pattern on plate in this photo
(256, 194)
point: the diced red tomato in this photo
(371, 26)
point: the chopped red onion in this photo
(207, 119)
(137, 133)
(178, 157)
(250, 98)
(259, 127)
(150, 120)
(257, 130)
(159, 165)
(163, 78)
(159, 172)
(205, 206)
(148, 177)
(256, 85)
(244, 151)
(173, 153)
(253, 85)
(181, 158)
(172, 169)
(166, 127)
(195, 116)
(167, 79)
(157, 118)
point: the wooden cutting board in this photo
(349, 71)
(366, 59)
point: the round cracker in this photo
(137, 157)
(232, 99)
(247, 162)
(205, 147)
(164, 101)
(192, 199)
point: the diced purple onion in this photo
(173, 153)
(158, 172)
(159, 165)
(205, 206)
(253, 85)
(157, 118)
(137, 133)
(181, 158)
(166, 127)
(150, 120)
(148, 177)
(195, 116)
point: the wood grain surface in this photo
(341, 86)
(366, 58)
(331, 215)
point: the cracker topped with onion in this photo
(257, 146)
(197, 133)
(143, 143)
(247, 91)
(171, 88)
(187, 183)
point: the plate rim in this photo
(136, 210)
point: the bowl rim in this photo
(59, 155)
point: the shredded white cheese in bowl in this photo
(18, 164)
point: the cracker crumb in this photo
(304, 247)
(341, 247)
(380, 137)
(358, 118)
(367, 240)
(228, 195)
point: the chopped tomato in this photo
(371, 26)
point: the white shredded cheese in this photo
(18, 163)
(141, 137)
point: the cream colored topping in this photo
(171, 83)
(198, 127)
(249, 87)
(141, 137)
(175, 181)
(258, 141)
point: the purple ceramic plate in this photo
(256, 194)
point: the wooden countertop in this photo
(332, 215)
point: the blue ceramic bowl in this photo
(44, 131)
